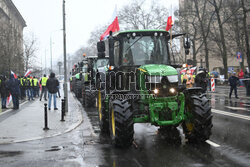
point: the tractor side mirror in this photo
(101, 46)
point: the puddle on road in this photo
(54, 148)
(10, 153)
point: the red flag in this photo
(170, 23)
(114, 26)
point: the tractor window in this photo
(101, 62)
(144, 50)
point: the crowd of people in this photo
(201, 78)
(28, 88)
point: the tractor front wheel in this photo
(121, 124)
(197, 127)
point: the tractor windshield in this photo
(144, 50)
(102, 62)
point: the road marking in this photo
(237, 108)
(212, 143)
(231, 114)
(4, 112)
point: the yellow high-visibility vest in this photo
(35, 81)
(44, 81)
(31, 83)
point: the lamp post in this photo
(65, 60)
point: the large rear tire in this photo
(78, 89)
(121, 124)
(199, 124)
(90, 96)
(103, 115)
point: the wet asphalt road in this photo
(229, 143)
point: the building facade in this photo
(11, 38)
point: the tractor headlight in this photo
(172, 90)
(154, 79)
(173, 78)
(156, 91)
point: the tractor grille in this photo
(163, 87)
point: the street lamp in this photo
(65, 60)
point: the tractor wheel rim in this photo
(100, 105)
(113, 121)
(189, 126)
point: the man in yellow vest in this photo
(36, 87)
(43, 82)
(188, 79)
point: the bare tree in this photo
(136, 15)
(245, 11)
(30, 49)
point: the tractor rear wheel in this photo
(78, 89)
(90, 96)
(198, 127)
(121, 124)
(103, 115)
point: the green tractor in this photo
(92, 67)
(141, 86)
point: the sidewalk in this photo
(27, 123)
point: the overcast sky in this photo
(44, 20)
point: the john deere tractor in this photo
(141, 86)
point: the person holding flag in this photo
(13, 85)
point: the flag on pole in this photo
(27, 73)
(14, 74)
(170, 23)
(8, 100)
(114, 26)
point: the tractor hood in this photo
(158, 69)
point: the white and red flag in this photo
(27, 73)
(14, 74)
(8, 100)
(114, 26)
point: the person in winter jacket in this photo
(14, 88)
(233, 81)
(52, 84)
(4, 91)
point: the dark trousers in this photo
(44, 91)
(4, 100)
(23, 95)
(15, 99)
(231, 91)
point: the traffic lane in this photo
(231, 131)
(151, 149)
(149, 145)
(239, 106)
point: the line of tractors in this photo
(132, 80)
